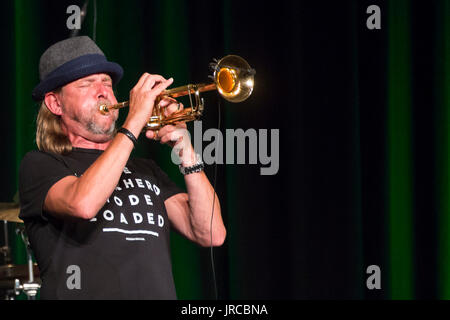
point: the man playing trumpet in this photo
(98, 221)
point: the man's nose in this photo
(102, 91)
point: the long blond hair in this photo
(49, 135)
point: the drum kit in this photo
(16, 279)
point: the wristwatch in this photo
(197, 167)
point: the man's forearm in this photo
(100, 179)
(201, 197)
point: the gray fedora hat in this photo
(69, 60)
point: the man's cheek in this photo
(115, 116)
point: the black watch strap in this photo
(197, 167)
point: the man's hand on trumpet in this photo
(169, 106)
(176, 135)
(142, 100)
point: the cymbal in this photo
(9, 211)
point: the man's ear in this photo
(53, 103)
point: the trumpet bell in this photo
(234, 78)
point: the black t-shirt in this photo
(122, 253)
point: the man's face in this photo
(80, 100)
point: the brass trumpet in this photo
(233, 79)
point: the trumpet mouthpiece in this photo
(103, 108)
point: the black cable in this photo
(94, 32)
(212, 211)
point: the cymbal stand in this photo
(5, 249)
(30, 288)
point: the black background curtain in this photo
(363, 135)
